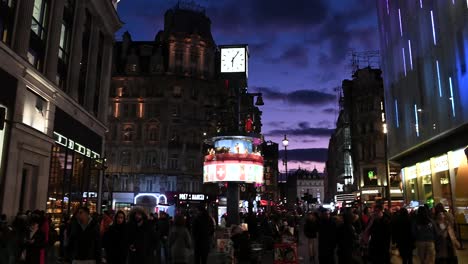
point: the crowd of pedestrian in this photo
(85, 238)
(352, 236)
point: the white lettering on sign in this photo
(424, 168)
(191, 197)
(440, 164)
(66, 142)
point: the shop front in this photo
(440, 179)
(74, 173)
(149, 202)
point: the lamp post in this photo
(285, 160)
(387, 173)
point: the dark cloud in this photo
(296, 55)
(303, 97)
(303, 129)
(308, 141)
(329, 110)
(276, 123)
(303, 155)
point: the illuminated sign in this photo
(191, 197)
(370, 191)
(424, 168)
(371, 174)
(440, 164)
(160, 198)
(410, 172)
(232, 171)
(66, 142)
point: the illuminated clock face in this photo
(233, 60)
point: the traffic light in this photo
(2, 117)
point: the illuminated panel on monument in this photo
(234, 159)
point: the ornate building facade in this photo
(166, 99)
(55, 69)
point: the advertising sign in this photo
(232, 171)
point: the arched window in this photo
(128, 133)
(153, 133)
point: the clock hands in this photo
(232, 61)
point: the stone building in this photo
(55, 71)
(166, 99)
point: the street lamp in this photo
(285, 160)
(387, 173)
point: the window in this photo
(7, 18)
(153, 133)
(128, 133)
(152, 110)
(151, 159)
(175, 111)
(179, 61)
(177, 91)
(129, 110)
(64, 43)
(149, 185)
(191, 163)
(125, 157)
(174, 161)
(39, 19)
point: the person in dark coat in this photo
(84, 241)
(34, 242)
(402, 236)
(163, 228)
(203, 230)
(311, 231)
(139, 237)
(326, 237)
(348, 240)
(116, 241)
(380, 236)
(241, 245)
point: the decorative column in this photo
(53, 41)
(75, 51)
(22, 27)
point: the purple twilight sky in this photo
(299, 54)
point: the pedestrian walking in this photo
(139, 237)
(379, 231)
(84, 241)
(424, 234)
(34, 242)
(402, 236)
(348, 240)
(446, 241)
(179, 242)
(311, 231)
(203, 230)
(326, 238)
(115, 240)
(163, 227)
